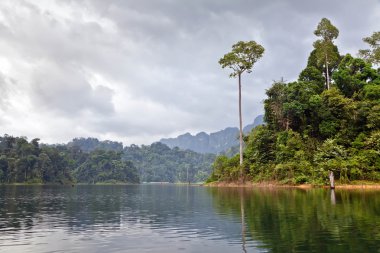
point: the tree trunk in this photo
(240, 131)
(332, 183)
(287, 123)
(327, 75)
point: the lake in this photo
(173, 218)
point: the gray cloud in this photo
(140, 70)
(64, 89)
(3, 91)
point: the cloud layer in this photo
(136, 71)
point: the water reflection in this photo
(242, 214)
(120, 218)
(332, 196)
(154, 218)
(305, 220)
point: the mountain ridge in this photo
(215, 142)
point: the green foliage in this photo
(274, 112)
(311, 74)
(352, 75)
(372, 91)
(372, 55)
(260, 145)
(225, 169)
(106, 166)
(92, 161)
(159, 163)
(326, 52)
(91, 144)
(29, 162)
(309, 130)
(326, 30)
(242, 57)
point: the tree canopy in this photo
(242, 57)
(325, 50)
(372, 55)
(90, 161)
(159, 163)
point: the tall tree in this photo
(325, 47)
(241, 59)
(372, 55)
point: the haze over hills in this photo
(214, 143)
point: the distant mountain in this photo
(259, 120)
(214, 143)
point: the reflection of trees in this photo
(23, 207)
(305, 220)
(16, 214)
(91, 208)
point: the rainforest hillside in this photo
(327, 120)
(31, 162)
(157, 162)
(88, 160)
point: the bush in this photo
(301, 179)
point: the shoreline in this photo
(354, 186)
(70, 185)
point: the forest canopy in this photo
(29, 162)
(90, 161)
(327, 120)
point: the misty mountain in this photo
(214, 143)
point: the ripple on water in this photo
(186, 219)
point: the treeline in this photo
(88, 160)
(158, 163)
(327, 120)
(29, 162)
(91, 144)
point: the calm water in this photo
(168, 218)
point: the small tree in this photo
(372, 55)
(325, 46)
(241, 59)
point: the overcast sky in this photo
(137, 71)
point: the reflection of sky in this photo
(145, 240)
(118, 219)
